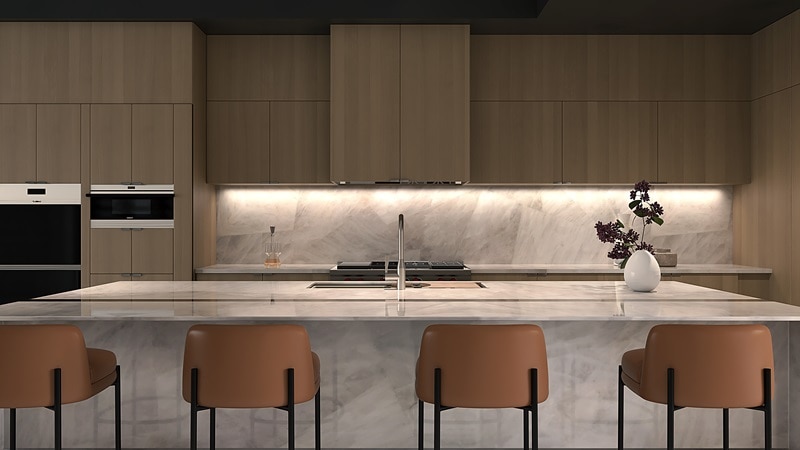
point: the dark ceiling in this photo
(485, 16)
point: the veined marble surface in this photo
(477, 269)
(368, 345)
(482, 225)
(293, 300)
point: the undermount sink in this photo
(393, 285)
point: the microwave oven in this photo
(132, 206)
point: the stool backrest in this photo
(716, 366)
(29, 355)
(483, 366)
(246, 366)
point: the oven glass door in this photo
(132, 206)
(28, 284)
(40, 234)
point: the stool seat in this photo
(632, 362)
(102, 368)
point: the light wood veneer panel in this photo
(704, 142)
(141, 62)
(794, 149)
(434, 102)
(238, 142)
(110, 144)
(17, 143)
(183, 193)
(152, 152)
(299, 144)
(728, 283)
(620, 68)
(268, 67)
(152, 250)
(515, 142)
(795, 47)
(365, 102)
(45, 62)
(58, 143)
(610, 142)
(771, 58)
(111, 250)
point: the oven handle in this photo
(149, 194)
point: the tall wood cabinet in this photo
(132, 144)
(399, 103)
(40, 143)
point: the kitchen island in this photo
(368, 339)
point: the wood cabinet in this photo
(299, 142)
(365, 102)
(515, 142)
(704, 142)
(610, 142)
(262, 277)
(131, 253)
(399, 103)
(132, 144)
(40, 143)
(17, 143)
(238, 142)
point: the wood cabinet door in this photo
(152, 151)
(434, 102)
(299, 142)
(110, 144)
(110, 250)
(58, 143)
(238, 142)
(97, 279)
(516, 142)
(610, 142)
(704, 142)
(365, 103)
(17, 143)
(152, 250)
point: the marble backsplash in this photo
(487, 225)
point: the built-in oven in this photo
(132, 206)
(40, 240)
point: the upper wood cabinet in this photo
(516, 142)
(772, 58)
(434, 103)
(131, 144)
(17, 143)
(399, 102)
(610, 142)
(365, 102)
(268, 67)
(40, 143)
(704, 142)
(299, 142)
(238, 142)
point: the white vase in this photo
(642, 273)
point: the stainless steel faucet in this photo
(401, 260)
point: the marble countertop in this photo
(540, 269)
(292, 300)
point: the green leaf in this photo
(621, 225)
(640, 212)
(624, 261)
(658, 220)
(634, 204)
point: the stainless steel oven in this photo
(40, 240)
(132, 206)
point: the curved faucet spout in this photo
(401, 260)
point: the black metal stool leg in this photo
(212, 428)
(726, 427)
(13, 422)
(317, 422)
(620, 409)
(117, 413)
(57, 408)
(525, 429)
(535, 408)
(193, 418)
(421, 425)
(768, 409)
(290, 408)
(670, 408)
(437, 408)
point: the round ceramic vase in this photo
(642, 273)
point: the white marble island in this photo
(367, 340)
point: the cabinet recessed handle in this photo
(136, 274)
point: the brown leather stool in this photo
(249, 366)
(49, 366)
(702, 366)
(482, 366)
